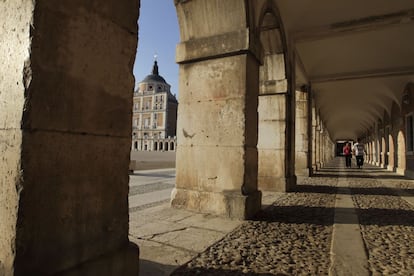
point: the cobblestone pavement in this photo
(294, 235)
(387, 226)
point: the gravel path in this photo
(387, 226)
(291, 237)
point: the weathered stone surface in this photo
(10, 181)
(76, 76)
(224, 89)
(67, 70)
(87, 200)
(15, 20)
(215, 46)
(231, 204)
(215, 79)
(199, 19)
(301, 134)
(224, 126)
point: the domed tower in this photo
(154, 121)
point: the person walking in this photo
(347, 151)
(359, 151)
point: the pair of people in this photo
(358, 150)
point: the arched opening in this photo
(135, 145)
(172, 146)
(155, 146)
(275, 137)
(166, 146)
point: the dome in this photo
(154, 77)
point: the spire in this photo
(155, 67)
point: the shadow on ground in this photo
(149, 268)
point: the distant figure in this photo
(359, 151)
(347, 151)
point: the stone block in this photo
(271, 163)
(275, 67)
(10, 177)
(14, 53)
(217, 79)
(230, 204)
(200, 19)
(202, 169)
(272, 135)
(272, 107)
(273, 87)
(230, 43)
(277, 184)
(124, 261)
(81, 81)
(73, 193)
(224, 125)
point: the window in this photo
(409, 132)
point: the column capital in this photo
(221, 45)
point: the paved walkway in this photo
(340, 222)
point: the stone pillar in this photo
(216, 169)
(274, 127)
(66, 86)
(318, 145)
(314, 138)
(301, 133)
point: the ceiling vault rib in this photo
(390, 72)
(357, 25)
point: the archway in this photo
(276, 109)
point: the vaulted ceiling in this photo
(356, 55)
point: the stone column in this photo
(66, 95)
(302, 136)
(314, 139)
(318, 145)
(274, 127)
(216, 169)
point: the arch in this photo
(277, 87)
(172, 147)
(166, 146)
(136, 145)
(160, 146)
(156, 146)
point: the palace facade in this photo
(154, 119)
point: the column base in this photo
(125, 261)
(390, 168)
(400, 171)
(277, 184)
(303, 172)
(230, 204)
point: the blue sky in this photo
(158, 34)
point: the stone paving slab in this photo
(304, 232)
